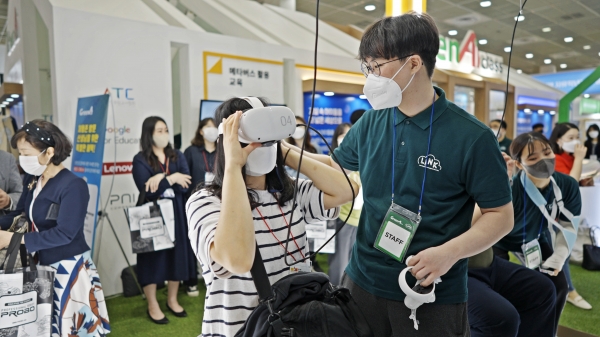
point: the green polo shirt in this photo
(534, 219)
(466, 167)
(505, 145)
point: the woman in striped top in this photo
(241, 209)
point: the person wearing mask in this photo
(543, 199)
(569, 160)
(524, 300)
(498, 127)
(297, 139)
(538, 127)
(11, 185)
(159, 171)
(201, 155)
(413, 163)
(591, 143)
(344, 240)
(249, 204)
(55, 203)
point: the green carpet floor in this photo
(128, 315)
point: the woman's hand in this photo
(152, 183)
(235, 155)
(510, 165)
(5, 239)
(580, 152)
(179, 178)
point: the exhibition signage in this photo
(90, 131)
(567, 80)
(589, 106)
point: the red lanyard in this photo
(288, 225)
(166, 171)
(206, 162)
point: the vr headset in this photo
(264, 125)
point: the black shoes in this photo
(163, 320)
(177, 314)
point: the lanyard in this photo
(166, 168)
(288, 225)
(525, 196)
(428, 151)
(206, 162)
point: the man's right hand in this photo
(4, 199)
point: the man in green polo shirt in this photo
(499, 128)
(407, 150)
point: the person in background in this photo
(569, 160)
(159, 171)
(298, 138)
(591, 143)
(538, 127)
(356, 115)
(11, 185)
(201, 155)
(499, 129)
(344, 240)
(55, 203)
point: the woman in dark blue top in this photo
(201, 155)
(55, 203)
(160, 171)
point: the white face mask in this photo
(298, 133)
(161, 140)
(210, 134)
(383, 92)
(495, 131)
(31, 164)
(261, 161)
(340, 140)
(594, 134)
(570, 146)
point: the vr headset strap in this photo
(260, 278)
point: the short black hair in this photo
(356, 115)
(537, 125)
(503, 124)
(62, 144)
(400, 36)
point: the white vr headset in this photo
(264, 125)
(413, 300)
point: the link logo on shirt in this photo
(430, 162)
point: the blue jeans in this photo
(567, 272)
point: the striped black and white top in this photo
(231, 298)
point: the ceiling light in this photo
(507, 49)
(483, 41)
(586, 95)
(527, 111)
(546, 30)
(587, 47)
(529, 55)
(328, 93)
(547, 61)
(14, 96)
(485, 4)
(362, 96)
(563, 66)
(520, 18)
(553, 112)
(568, 39)
(452, 32)
(10, 99)
(370, 8)
(519, 71)
(540, 112)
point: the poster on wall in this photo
(88, 152)
(331, 111)
(229, 76)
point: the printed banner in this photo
(88, 154)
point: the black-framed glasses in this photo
(374, 67)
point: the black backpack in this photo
(302, 305)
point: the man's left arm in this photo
(486, 180)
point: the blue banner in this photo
(331, 111)
(568, 80)
(88, 154)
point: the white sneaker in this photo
(193, 291)
(579, 302)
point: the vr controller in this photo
(264, 125)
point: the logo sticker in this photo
(430, 162)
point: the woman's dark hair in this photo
(527, 140)
(146, 143)
(62, 144)
(308, 147)
(559, 130)
(399, 36)
(338, 131)
(278, 181)
(198, 139)
(592, 127)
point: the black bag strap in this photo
(260, 277)
(11, 253)
(141, 198)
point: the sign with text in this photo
(88, 154)
(589, 106)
